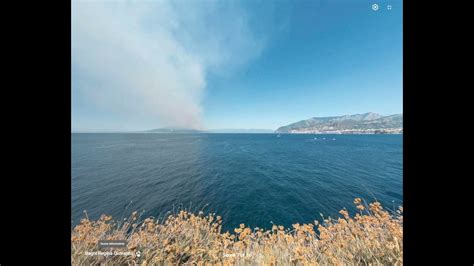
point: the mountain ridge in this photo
(366, 123)
(214, 131)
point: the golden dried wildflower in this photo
(344, 213)
(372, 237)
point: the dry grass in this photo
(372, 236)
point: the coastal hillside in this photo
(368, 123)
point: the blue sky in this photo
(207, 64)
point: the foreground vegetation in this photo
(371, 236)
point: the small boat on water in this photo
(333, 139)
(324, 138)
(278, 136)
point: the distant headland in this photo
(368, 123)
(187, 130)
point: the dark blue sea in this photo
(256, 179)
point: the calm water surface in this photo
(254, 179)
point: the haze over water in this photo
(254, 179)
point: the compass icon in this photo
(375, 7)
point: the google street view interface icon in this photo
(243, 132)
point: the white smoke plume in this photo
(148, 61)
